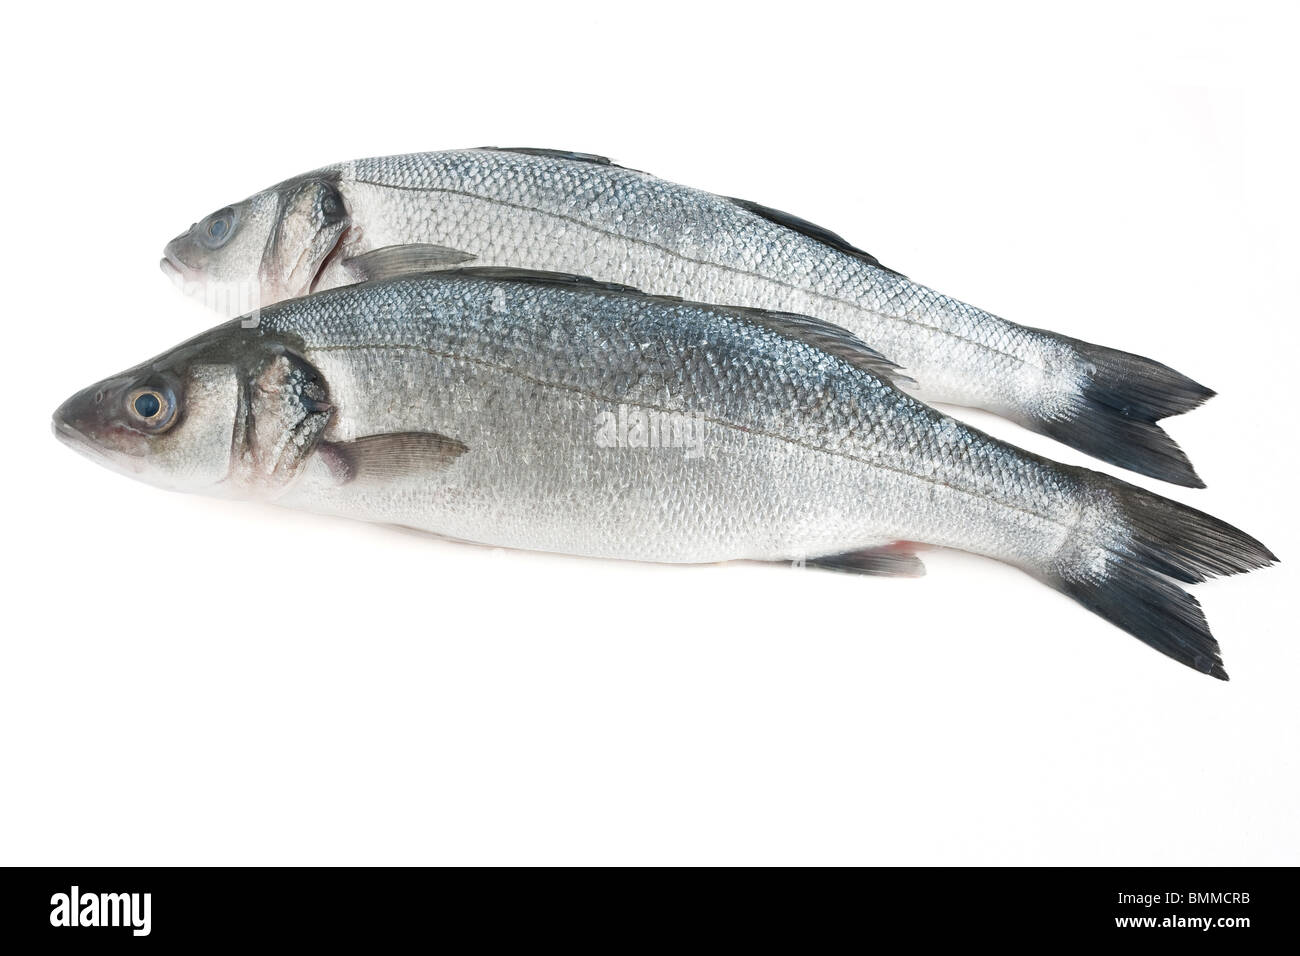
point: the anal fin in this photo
(897, 560)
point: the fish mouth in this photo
(65, 432)
(88, 448)
(77, 441)
(173, 268)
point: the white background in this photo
(194, 681)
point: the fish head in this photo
(270, 247)
(232, 413)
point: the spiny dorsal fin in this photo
(817, 333)
(781, 218)
(555, 154)
(812, 231)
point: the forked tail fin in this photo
(1130, 551)
(1113, 415)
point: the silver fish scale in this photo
(623, 225)
(802, 454)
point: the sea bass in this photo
(555, 413)
(577, 213)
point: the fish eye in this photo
(217, 228)
(151, 407)
(147, 405)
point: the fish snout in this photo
(79, 411)
(89, 422)
(173, 262)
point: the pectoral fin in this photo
(393, 457)
(388, 262)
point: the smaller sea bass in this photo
(577, 213)
(555, 413)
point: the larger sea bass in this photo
(539, 209)
(552, 413)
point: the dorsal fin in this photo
(829, 338)
(555, 154)
(781, 218)
(812, 231)
(820, 334)
(539, 277)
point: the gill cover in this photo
(310, 227)
(283, 410)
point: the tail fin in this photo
(1127, 556)
(1113, 416)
